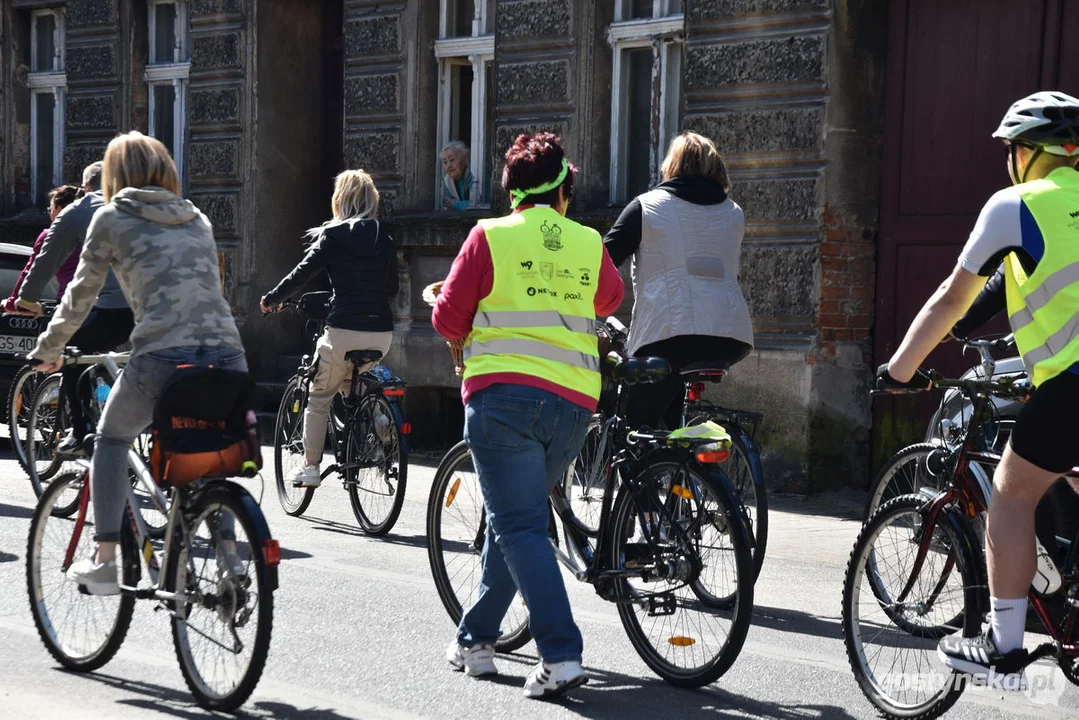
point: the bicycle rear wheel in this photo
(456, 532)
(19, 401)
(684, 640)
(222, 632)
(892, 644)
(376, 487)
(81, 631)
(288, 452)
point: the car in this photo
(18, 333)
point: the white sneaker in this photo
(97, 578)
(475, 661)
(307, 476)
(549, 679)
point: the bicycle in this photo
(942, 587)
(49, 423)
(367, 432)
(20, 398)
(673, 536)
(218, 565)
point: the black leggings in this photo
(660, 405)
(104, 330)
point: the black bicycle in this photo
(367, 432)
(671, 548)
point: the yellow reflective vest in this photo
(539, 318)
(1043, 308)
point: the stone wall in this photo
(790, 91)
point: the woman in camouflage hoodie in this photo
(162, 250)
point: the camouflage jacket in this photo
(163, 252)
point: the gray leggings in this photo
(128, 412)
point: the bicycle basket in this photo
(204, 425)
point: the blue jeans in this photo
(522, 440)
(130, 410)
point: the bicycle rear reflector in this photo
(271, 550)
(712, 453)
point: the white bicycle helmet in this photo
(1047, 120)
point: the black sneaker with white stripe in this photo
(979, 657)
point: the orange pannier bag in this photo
(204, 426)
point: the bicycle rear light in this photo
(695, 392)
(712, 453)
(393, 392)
(271, 550)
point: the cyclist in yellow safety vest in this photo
(1034, 227)
(524, 293)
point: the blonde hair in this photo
(355, 197)
(135, 160)
(693, 155)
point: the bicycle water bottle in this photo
(383, 373)
(1047, 578)
(101, 392)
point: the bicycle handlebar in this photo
(1005, 387)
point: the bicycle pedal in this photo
(661, 605)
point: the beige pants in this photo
(334, 374)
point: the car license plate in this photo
(17, 344)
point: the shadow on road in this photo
(7, 557)
(15, 511)
(796, 622)
(653, 697)
(419, 541)
(157, 698)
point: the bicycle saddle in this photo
(362, 357)
(641, 370)
(704, 371)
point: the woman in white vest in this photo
(685, 238)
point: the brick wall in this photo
(847, 285)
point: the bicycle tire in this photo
(367, 435)
(873, 688)
(228, 585)
(903, 474)
(20, 400)
(746, 475)
(48, 422)
(444, 492)
(39, 567)
(288, 439)
(624, 513)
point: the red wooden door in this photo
(954, 67)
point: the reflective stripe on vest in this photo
(1040, 296)
(1043, 308)
(533, 348)
(534, 318)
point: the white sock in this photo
(1008, 622)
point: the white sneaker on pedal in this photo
(474, 661)
(307, 476)
(97, 578)
(549, 679)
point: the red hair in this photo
(534, 160)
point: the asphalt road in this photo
(359, 632)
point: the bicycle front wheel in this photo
(377, 467)
(664, 540)
(456, 532)
(19, 401)
(288, 452)
(905, 473)
(891, 639)
(81, 631)
(222, 628)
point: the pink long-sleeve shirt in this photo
(63, 275)
(471, 279)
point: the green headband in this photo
(519, 195)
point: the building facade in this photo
(262, 102)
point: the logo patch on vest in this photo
(586, 279)
(527, 264)
(552, 236)
(546, 270)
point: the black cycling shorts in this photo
(1045, 432)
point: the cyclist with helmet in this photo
(1033, 227)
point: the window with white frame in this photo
(465, 50)
(647, 39)
(47, 82)
(167, 71)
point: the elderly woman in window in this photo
(457, 178)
